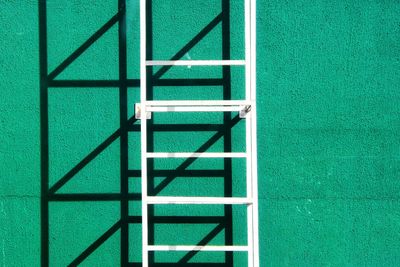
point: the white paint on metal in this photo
(195, 63)
(253, 96)
(200, 200)
(138, 112)
(196, 155)
(143, 131)
(197, 248)
(196, 109)
(246, 109)
(198, 103)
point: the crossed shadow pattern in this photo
(129, 124)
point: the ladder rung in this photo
(196, 155)
(195, 62)
(196, 248)
(199, 200)
(198, 103)
(241, 106)
(198, 106)
(195, 109)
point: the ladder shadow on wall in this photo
(222, 223)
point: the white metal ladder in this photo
(246, 109)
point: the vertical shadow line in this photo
(150, 130)
(227, 95)
(123, 109)
(44, 135)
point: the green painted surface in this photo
(329, 121)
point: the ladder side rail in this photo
(253, 119)
(143, 131)
(249, 164)
(251, 144)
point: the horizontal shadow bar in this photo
(87, 83)
(59, 197)
(180, 219)
(180, 127)
(188, 82)
(179, 173)
(135, 83)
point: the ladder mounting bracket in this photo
(138, 112)
(244, 111)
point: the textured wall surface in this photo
(329, 121)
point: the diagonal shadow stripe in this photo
(185, 259)
(189, 161)
(85, 161)
(206, 30)
(203, 242)
(85, 46)
(95, 245)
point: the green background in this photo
(328, 76)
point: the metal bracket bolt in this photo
(138, 112)
(243, 112)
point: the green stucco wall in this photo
(328, 128)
